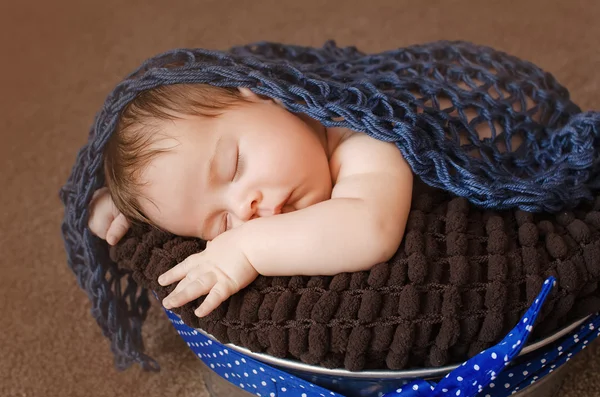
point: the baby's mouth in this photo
(282, 208)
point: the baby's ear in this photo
(248, 94)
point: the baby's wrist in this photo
(249, 241)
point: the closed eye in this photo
(239, 165)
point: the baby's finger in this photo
(191, 277)
(178, 271)
(196, 288)
(118, 228)
(218, 294)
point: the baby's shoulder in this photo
(357, 152)
(337, 135)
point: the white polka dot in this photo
(242, 385)
(458, 392)
(399, 390)
(494, 355)
(212, 366)
(507, 385)
(525, 373)
(263, 383)
(226, 351)
(237, 362)
(476, 367)
(415, 387)
(546, 282)
(303, 395)
(525, 320)
(243, 360)
(254, 372)
(227, 375)
(283, 389)
(445, 390)
(506, 357)
(261, 369)
(272, 394)
(281, 377)
(459, 378)
(246, 374)
(273, 379)
(215, 355)
(258, 394)
(492, 385)
(543, 360)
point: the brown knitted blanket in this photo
(461, 278)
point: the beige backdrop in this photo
(59, 60)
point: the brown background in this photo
(59, 60)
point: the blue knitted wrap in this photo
(392, 96)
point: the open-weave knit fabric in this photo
(459, 281)
(394, 96)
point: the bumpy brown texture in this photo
(461, 278)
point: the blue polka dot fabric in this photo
(491, 373)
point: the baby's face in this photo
(252, 161)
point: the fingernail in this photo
(199, 312)
(167, 303)
(161, 280)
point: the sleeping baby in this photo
(272, 192)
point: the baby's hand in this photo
(105, 220)
(220, 271)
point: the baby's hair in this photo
(129, 150)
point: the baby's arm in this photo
(361, 225)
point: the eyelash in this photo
(239, 166)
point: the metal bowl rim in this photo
(381, 374)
